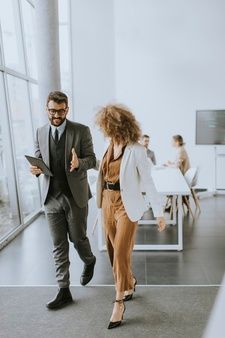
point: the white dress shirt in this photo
(60, 128)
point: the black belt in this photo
(112, 186)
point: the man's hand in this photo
(161, 223)
(35, 170)
(74, 164)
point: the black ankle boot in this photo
(87, 273)
(62, 298)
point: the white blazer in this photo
(135, 178)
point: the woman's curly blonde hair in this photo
(118, 123)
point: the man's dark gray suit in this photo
(66, 194)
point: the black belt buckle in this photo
(109, 185)
(112, 186)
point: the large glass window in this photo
(38, 118)
(11, 35)
(9, 213)
(1, 61)
(23, 143)
(19, 190)
(29, 34)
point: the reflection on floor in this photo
(7, 222)
(28, 260)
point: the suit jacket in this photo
(135, 177)
(151, 155)
(78, 136)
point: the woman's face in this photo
(174, 143)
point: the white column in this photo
(47, 48)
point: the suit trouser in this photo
(120, 235)
(67, 222)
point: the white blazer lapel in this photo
(124, 161)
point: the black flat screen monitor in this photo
(210, 127)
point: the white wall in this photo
(163, 58)
(170, 61)
(93, 60)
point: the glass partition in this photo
(23, 142)
(9, 212)
(11, 35)
(29, 37)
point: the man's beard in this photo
(57, 121)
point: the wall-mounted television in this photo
(210, 127)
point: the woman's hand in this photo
(161, 223)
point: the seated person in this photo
(182, 160)
(145, 140)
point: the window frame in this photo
(23, 221)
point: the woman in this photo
(182, 160)
(124, 170)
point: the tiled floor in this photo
(28, 260)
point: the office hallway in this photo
(28, 259)
(174, 297)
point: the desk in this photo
(168, 181)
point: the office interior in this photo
(165, 61)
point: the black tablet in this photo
(38, 162)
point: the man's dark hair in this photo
(145, 136)
(58, 97)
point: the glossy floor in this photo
(28, 259)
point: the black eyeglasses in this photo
(60, 112)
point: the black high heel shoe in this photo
(113, 325)
(129, 297)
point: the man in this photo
(145, 140)
(66, 148)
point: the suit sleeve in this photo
(144, 169)
(87, 159)
(153, 158)
(37, 152)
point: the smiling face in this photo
(57, 112)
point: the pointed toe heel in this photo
(113, 325)
(130, 297)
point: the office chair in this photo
(191, 177)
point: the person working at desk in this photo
(145, 139)
(182, 159)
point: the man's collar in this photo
(60, 128)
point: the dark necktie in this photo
(56, 136)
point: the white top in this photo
(60, 129)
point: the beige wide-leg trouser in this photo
(120, 236)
